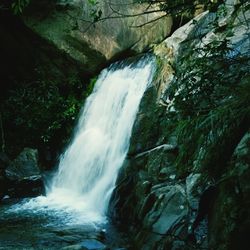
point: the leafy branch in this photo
(18, 6)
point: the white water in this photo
(81, 189)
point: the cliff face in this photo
(184, 185)
(68, 25)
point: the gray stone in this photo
(25, 165)
(93, 245)
(193, 190)
(69, 28)
(74, 247)
(24, 176)
(169, 209)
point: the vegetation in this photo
(18, 6)
(180, 10)
(44, 110)
(210, 103)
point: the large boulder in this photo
(25, 165)
(24, 176)
(68, 25)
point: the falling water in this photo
(89, 167)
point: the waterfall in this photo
(89, 167)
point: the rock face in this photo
(25, 165)
(230, 210)
(22, 176)
(67, 25)
(201, 203)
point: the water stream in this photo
(79, 193)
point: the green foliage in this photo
(179, 8)
(19, 5)
(211, 102)
(91, 86)
(96, 12)
(42, 114)
(41, 110)
(93, 2)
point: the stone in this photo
(74, 247)
(171, 207)
(27, 187)
(68, 27)
(24, 176)
(193, 190)
(25, 165)
(92, 245)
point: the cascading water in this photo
(88, 169)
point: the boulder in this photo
(24, 166)
(68, 25)
(92, 245)
(169, 210)
(24, 176)
(88, 244)
(132, 197)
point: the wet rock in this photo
(27, 187)
(132, 197)
(23, 175)
(74, 247)
(193, 190)
(25, 165)
(169, 209)
(92, 245)
(87, 245)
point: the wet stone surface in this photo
(32, 230)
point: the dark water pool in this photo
(20, 229)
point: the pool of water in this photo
(27, 228)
